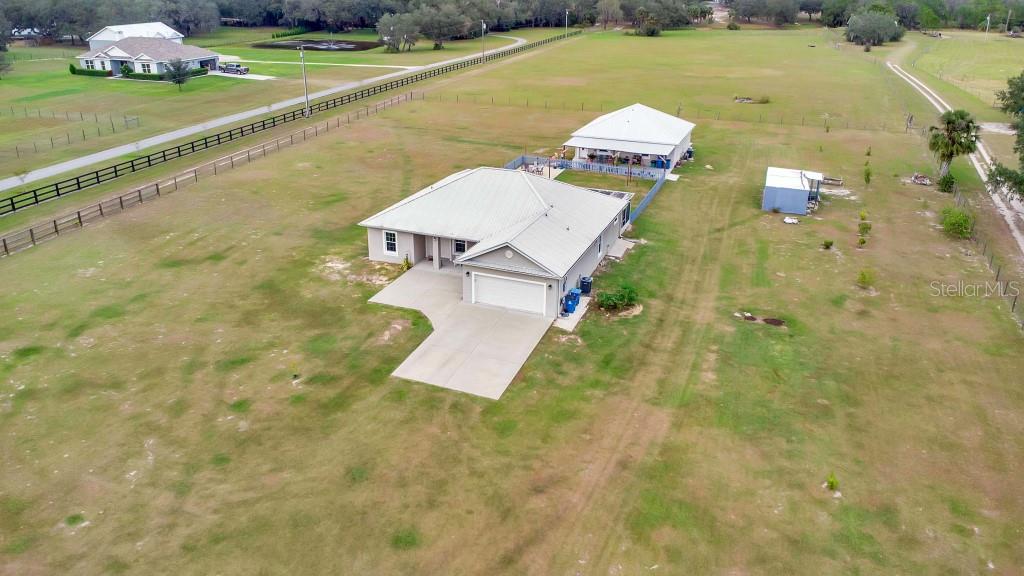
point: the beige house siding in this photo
(518, 262)
(586, 265)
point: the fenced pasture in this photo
(203, 387)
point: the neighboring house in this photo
(519, 240)
(146, 56)
(638, 134)
(790, 191)
(112, 34)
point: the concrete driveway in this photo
(474, 349)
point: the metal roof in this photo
(549, 222)
(790, 178)
(140, 30)
(631, 128)
(155, 49)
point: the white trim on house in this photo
(543, 293)
(384, 238)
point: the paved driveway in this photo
(474, 349)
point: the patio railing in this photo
(644, 172)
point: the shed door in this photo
(508, 292)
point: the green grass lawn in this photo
(43, 83)
(974, 62)
(186, 389)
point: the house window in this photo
(390, 242)
(90, 65)
(147, 69)
(103, 64)
(459, 246)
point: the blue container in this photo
(574, 294)
(570, 306)
(586, 284)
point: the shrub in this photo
(867, 175)
(764, 100)
(624, 297)
(406, 264)
(866, 278)
(832, 483)
(947, 184)
(87, 72)
(864, 228)
(290, 32)
(732, 26)
(141, 76)
(827, 244)
(863, 215)
(861, 242)
(957, 223)
(868, 153)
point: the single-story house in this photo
(790, 191)
(638, 134)
(520, 241)
(146, 56)
(111, 34)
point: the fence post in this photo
(80, 219)
(195, 171)
(140, 195)
(32, 236)
(7, 253)
(56, 229)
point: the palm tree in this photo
(958, 135)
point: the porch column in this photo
(437, 252)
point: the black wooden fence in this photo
(28, 198)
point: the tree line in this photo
(927, 14)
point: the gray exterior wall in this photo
(517, 261)
(786, 200)
(586, 265)
(407, 246)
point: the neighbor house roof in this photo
(790, 178)
(549, 222)
(637, 128)
(141, 30)
(154, 49)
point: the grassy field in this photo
(44, 84)
(186, 388)
(974, 62)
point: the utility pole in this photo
(305, 85)
(1006, 27)
(566, 22)
(483, 32)
(988, 22)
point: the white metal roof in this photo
(790, 178)
(634, 147)
(634, 126)
(550, 222)
(141, 30)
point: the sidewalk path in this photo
(134, 147)
(1011, 209)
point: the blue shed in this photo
(788, 191)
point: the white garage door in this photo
(508, 293)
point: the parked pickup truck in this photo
(233, 68)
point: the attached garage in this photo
(506, 292)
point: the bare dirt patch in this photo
(335, 268)
(393, 330)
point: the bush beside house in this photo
(85, 72)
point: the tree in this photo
(609, 11)
(398, 31)
(177, 72)
(835, 13)
(749, 9)
(781, 11)
(811, 7)
(1011, 101)
(5, 32)
(907, 15)
(5, 66)
(441, 24)
(957, 135)
(873, 29)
